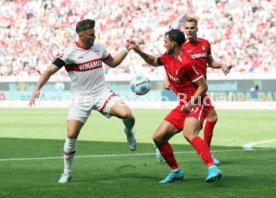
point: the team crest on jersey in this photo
(80, 57)
(203, 48)
(97, 52)
(177, 72)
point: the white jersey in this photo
(85, 69)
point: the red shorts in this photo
(176, 117)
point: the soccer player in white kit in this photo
(83, 61)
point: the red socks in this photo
(167, 153)
(208, 132)
(200, 146)
(202, 150)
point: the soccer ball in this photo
(140, 84)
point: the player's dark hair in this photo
(85, 24)
(177, 36)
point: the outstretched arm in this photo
(216, 65)
(148, 58)
(116, 60)
(42, 80)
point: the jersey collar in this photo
(79, 46)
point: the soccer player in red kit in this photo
(189, 84)
(200, 51)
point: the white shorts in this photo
(82, 106)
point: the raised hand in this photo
(130, 45)
(136, 48)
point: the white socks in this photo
(69, 153)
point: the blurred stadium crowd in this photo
(33, 32)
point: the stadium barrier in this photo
(234, 91)
(253, 105)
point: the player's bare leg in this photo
(121, 110)
(73, 129)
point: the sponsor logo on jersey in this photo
(82, 67)
(173, 78)
(199, 55)
(90, 65)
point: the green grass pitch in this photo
(32, 147)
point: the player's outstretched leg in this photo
(173, 176)
(129, 123)
(130, 139)
(213, 174)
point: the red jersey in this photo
(199, 52)
(181, 75)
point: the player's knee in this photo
(126, 114)
(72, 134)
(155, 138)
(188, 134)
(212, 119)
(212, 116)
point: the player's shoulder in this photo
(186, 43)
(98, 46)
(203, 40)
(67, 51)
(165, 56)
(71, 47)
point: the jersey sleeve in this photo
(62, 58)
(159, 61)
(209, 52)
(103, 52)
(59, 62)
(163, 59)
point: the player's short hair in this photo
(177, 36)
(191, 19)
(85, 24)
